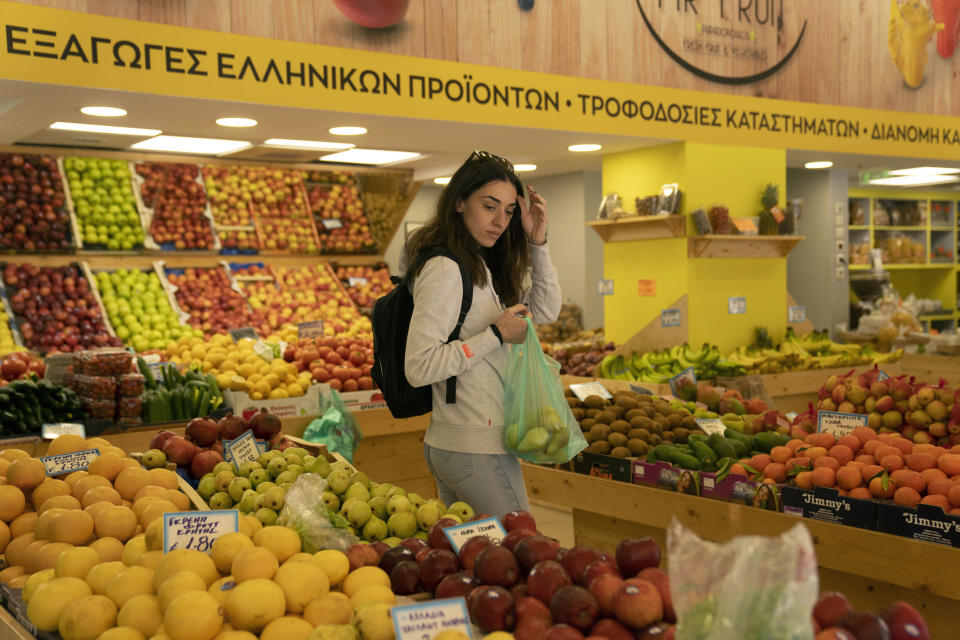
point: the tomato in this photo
(365, 383)
(335, 384)
(341, 373)
(38, 367)
(12, 367)
(343, 352)
(333, 358)
(365, 369)
(320, 374)
(350, 385)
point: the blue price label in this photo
(670, 318)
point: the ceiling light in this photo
(107, 112)
(579, 148)
(524, 167)
(236, 122)
(179, 144)
(370, 156)
(285, 143)
(348, 131)
(913, 181)
(924, 171)
(820, 164)
(443, 180)
(102, 128)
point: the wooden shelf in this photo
(891, 228)
(640, 228)
(859, 227)
(938, 228)
(859, 267)
(921, 265)
(716, 246)
(133, 260)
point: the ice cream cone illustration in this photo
(948, 13)
(911, 29)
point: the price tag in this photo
(69, 462)
(839, 424)
(791, 415)
(736, 305)
(670, 318)
(55, 429)
(490, 527)
(641, 390)
(197, 529)
(426, 620)
(585, 389)
(683, 376)
(796, 313)
(355, 281)
(744, 225)
(313, 329)
(241, 449)
(243, 332)
(331, 223)
(711, 425)
(605, 287)
(882, 375)
(646, 288)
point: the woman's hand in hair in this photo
(513, 328)
(534, 217)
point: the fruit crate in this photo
(250, 272)
(356, 280)
(299, 218)
(77, 172)
(386, 198)
(164, 175)
(19, 236)
(340, 225)
(232, 237)
(829, 506)
(234, 310)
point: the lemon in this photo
(279, 394)
(294, 390)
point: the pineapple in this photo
(767, 221)
(767, 224)
(771, 193)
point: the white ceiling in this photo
(27, 109)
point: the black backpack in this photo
(391, 321)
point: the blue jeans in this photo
(490, 483)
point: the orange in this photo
(849, 441)
(949, 463)
(804, 480)
(841, 453)
(848, 477)
(937, 501)
(824, 477)
(906, 497)
(891, 462)
(877, 488)
(776, 471)
(780, 454)
(826, 461)
(12, 502)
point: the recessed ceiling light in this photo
(524, 167)
(925, 171)
(580, 148)
(914, 181)
(106, 112)
(285, 143)
(443, 180)
(820, 164)
(236, 122)
(102, 128)
(179, 144)
(370, 156)
(348, 131)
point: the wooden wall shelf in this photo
(180, 259)
(640, 228)
(722, 246)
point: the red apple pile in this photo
(364, 284)
(206, 295)
(231, 194)
(20, 364)
(32, 213)
(179, 205)
(834, 618)
(338, 210)
(56, 309)
(580, 358)
(343, 364)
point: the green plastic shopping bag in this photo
(336, 428)
(539, 424)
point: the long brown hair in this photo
(507, 260)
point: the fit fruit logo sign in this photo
(726, 41)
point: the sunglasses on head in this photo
(486, 155)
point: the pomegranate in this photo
(203, 431)
(265, 425)
(232, 426)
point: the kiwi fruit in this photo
(620, 452)
(568, 392)
(675, 420)
(643, 398)
(641, 422)
(616, 410)
(587, 423)
(626, 402)
(620, 426)
(599, 431)
(572, 402)
(577, 413)
(655, 439)
(599, 446)
(669, 436)
(638, 434)
(633, 413)
(681, 434)
(593, 402)
(663, 421)
(688, 422)
(617, 439)
(637, 447)
(683, 412)
(592, 413)
(655, 427)
(606, 417)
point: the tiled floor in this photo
(554, 521)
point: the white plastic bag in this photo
(304, 512)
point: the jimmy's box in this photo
(829, 506)
(601, 466)
(926, 522)
(741, 489)
(666, 476)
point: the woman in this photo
(484, 220)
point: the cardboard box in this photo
(666, 476)
(307, 405)
(828, 505)
(362, 400)
(742, 490)
(601, 466)
(926, 522)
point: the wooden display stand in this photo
(872, 569)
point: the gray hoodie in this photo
(474, 424)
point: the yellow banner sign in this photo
(66, 48)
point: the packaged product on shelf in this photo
(96, 387)
(129, 410)
(130, 385)
(99, 408)
(105, 362)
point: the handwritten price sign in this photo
(490, 527)
(69, 462)
(197, 529)
(242, 449)
(427, 620)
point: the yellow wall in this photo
(708, 175)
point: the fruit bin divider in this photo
(171, 291)
(145, 219)
(68, 203)
(306, 202)
(92, 284)
(343, 290)
(148, 213)
(233, 266)
(236, 227)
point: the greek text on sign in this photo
(585, 389)
(197, 530)
(313, 329)
(69, 462)
(353, 281)
(53, 430)
(736, 305)
(428, 619)
(839, 424)
(331, 223)
(796, 313)
(490, 527)
(710, 426)
(243, 332)
(242, 449)
(646, 288)
(670, 318)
